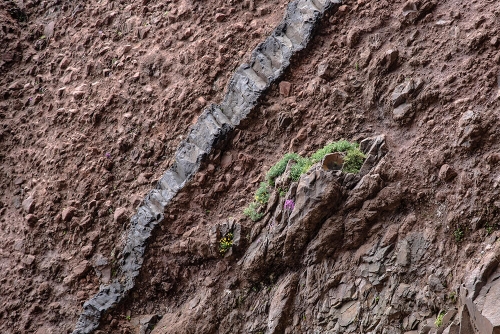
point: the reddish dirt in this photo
(91, 110)
(101, 147)
(353, 102)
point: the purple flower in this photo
(289, 204)
(108, 155)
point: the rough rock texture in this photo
(268, 62)
(97, 102)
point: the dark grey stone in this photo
(211, 126)
(171, 181)
(187, 159)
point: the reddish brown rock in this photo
(285, 88)
(31, 219)
(219, 17)
(29, 205)
(447, 173)
(28, 260)
(87, 250)
(120, 216)
(68, 213)
(220, 187)
(81, 269)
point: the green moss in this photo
(337, 146)
(301, 166)
(279, 168)
(353, 161)
(262, 193)
(252, 211)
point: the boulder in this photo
(68, 213)
(447, 173)
(318, 194)
(333, 161)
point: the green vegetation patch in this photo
(439, 319)
(252, 211)
(353, 160)
(226, 243)
(279, 168)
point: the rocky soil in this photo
(96, 97)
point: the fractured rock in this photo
(435, 283)
(318, 193)
(68, 213)
(332, 161)
(281, 302)
(120, 216)
(81, 269)
(401, 93)
(348, 313)
(29, 205)
(325, 70)
(403, 113)
(447, 173)
(391, 59)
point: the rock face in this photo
(480, 296)
(318, 193)
(401, 96)
(268, 62)
(298, 273)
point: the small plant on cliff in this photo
(458, 234)
(262, 193)
(453, 297)
(439, 319)
(226, 243)
(489, 229)
(301, 166)
(289, 205)
(279, 168)
(252, 211)
(353, 160)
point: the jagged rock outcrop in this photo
(304, 273)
